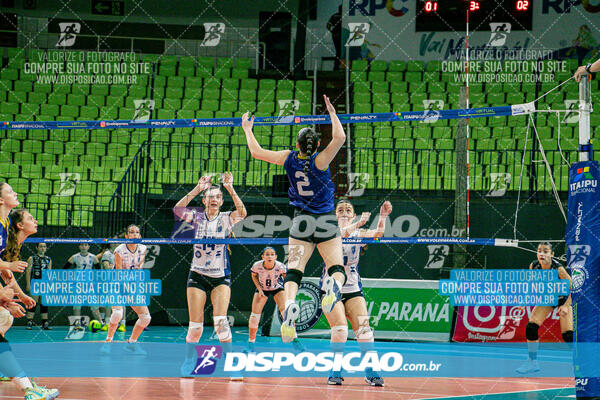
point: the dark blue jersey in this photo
(312, 191)
(4, 233)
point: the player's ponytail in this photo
(11, 253)
(308, 140)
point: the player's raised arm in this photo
(201, 186)
(273, 157)
(240, 210)
(338, 138)
(384, 211)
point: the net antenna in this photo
(585, 108)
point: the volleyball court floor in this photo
(276, 388)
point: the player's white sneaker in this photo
(529, 367)
(332, 295)
(288, 326)
(135, 349)
(40, 393)
(106, 347)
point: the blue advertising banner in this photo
(582, 242)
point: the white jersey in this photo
(131, 259)
(83, 262)
(351, 256)
(269, 279)
(211, 259)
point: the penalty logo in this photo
(500, 31)
(68, 33)
(143, 110)
(358, 33)
(437, 256)
(212, 33)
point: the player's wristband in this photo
(588, 67)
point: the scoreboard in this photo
(451, 15)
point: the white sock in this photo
(22, 383)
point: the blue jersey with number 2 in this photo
(312, 191)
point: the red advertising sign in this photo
(501, 324)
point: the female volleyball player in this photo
(267, 276)
(353, 305)
(129, 256)
(36, 264)
(545, 260)
(83, 260)
(8, 201)
(22, 224)
(311, 193)
(106, 259)
(210, 273)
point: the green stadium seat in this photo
(378, 65)
(9, 170)
(100, 89)
(89, 112)
(249, 84)
(75, 148)
(19, 185)
(32, 146)
(57, 217)
(82, 218)
(245, 63)
(358, 76)
(23, 159)
(397, 65)
(376, 76)
(53, 147)
(9, 73)
(117, 149)
(359, 65)
(9, 108)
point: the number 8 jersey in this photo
(211, 259)
(312, 191)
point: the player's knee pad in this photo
(6, 321)
(568, 336)
(222, 328)
(293, 275)
(194, 332)
(116, 316)
(253, 321)
(364, 334)
(144, 320)
(337, 268)
(339, 333)
(531, 331)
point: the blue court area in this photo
(506, 387)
